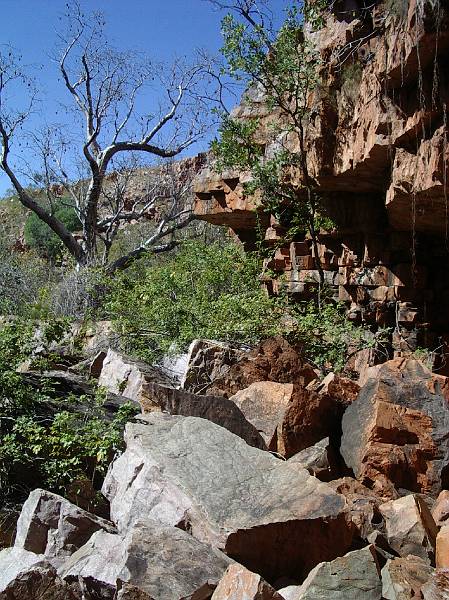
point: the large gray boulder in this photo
(51, 525)
(28, 576)
(129, 377)
(163, 562)
(355, 576)
(271, 516)
(217, 409)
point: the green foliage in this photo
(209, 291)
(43, 440)
(283, 70)
(41, 238)
(325, 334)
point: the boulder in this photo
(50, 525)
(442, 548)
(440, 510)
(273, 360)
(264, 404)
(165, 563)
(28, 576)
(207, 361)
(240, 584)
(355, 576)
(128, 377)
(62, 384)
(410, 527)
(290, 417)
(363, 504)
(341, 388)
(403, 578)
(40, 582)
(269, 515)
(218, 409)
(394, 434)
(319, 460)
(437, 587)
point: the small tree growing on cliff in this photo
(281, 69)
(104, 86)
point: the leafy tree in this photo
(283, 67)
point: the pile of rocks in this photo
(273, 485)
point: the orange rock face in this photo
(395, 433)
(378, 151)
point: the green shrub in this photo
(207, 291)
(44, 442)
(41, 238)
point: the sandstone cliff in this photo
(377, 147)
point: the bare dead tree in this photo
(109, 90)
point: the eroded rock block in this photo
(394, 434)
(218, 409)
(319, 460)
(410, 527)
(128, 377)
(51, 525)
(240, 584)
(271, 516)
(264, 404)
(161, 562)
(355, 576)
(28, 576)
(442, 548)
(273, 360)
(440, 510)
(403, 578)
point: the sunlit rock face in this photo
(378, 150)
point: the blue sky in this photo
(163, 29)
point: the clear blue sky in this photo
(161, 28)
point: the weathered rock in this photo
(395, 433)
(28, 576)
(273, 360)
(218, 409)
(319, 460)
(264, 404)
(208, 361)
(310, 417)
(240, 584)
(442, 548)
(440, 510)
(163, 562)
(363, 504)
(40, 582)
(437, 587)
(63, 384)
(270, 515)
(403, 578)
(50, 525)
(129, 377)
(355, 576)
(341, 388)
(410, 527)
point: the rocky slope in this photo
(275, 485)
(377, 148)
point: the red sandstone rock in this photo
(440, 510)
(240, 584)
(273, 360)
(394, 434)
(410, 527)
(442, 548)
